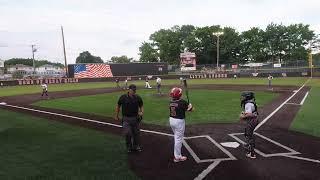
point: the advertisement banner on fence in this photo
(277, 65)
(234, 66)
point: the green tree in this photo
(168, 43)
(229, 46)
(287, 43)
(148, 53)
(253, 47)
(121, 59)
(86, 57)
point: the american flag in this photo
(92, 71)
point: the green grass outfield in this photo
(210, 106)
(308, 118)
(30, 89)
(34, 148)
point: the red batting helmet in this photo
(176, 93)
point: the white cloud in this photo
(114, 28)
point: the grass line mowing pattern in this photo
(211, 106)
(34, 148)
(308, 118)
(30, 89)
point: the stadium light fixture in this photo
(218, 34)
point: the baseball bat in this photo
(186, 89)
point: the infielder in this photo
(44, 87)
(158, 85)
(250, 115)
(125, 84)
(269, 80)
(178, 107)
(147, 83)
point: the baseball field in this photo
(72, 134)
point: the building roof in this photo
(20, 65)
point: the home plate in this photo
(3, 103)
(230, 144)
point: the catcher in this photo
(250, 115)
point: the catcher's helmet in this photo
(176, 93)
(247, 95)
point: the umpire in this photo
(132, 111)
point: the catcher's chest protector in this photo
(255, 107)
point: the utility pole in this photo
(33, 63)
(64, 52)
(310, 64)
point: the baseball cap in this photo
(133, 87)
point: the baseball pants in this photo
(178, 127)
(249, 135)
(44, 92)
(131, 132)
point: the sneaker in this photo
(129, 150)
(138, 149)
(182, 158)
(251, 155)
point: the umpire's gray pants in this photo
(131, 132)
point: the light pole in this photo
(34, 66)
(218, 34)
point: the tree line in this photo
(87, 57)
(29, 62)
(277, 43)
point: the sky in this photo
(109, 28)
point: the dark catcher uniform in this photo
(249, 106)
(130, 120)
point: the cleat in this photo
(180, 159)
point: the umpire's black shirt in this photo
(130, 105)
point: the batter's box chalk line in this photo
(198, 160)
(290, 154)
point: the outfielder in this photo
(178, 107)
(250, 115)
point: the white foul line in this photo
(85, 119)
(305, 97)
(276, 110)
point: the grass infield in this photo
(210, 106)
